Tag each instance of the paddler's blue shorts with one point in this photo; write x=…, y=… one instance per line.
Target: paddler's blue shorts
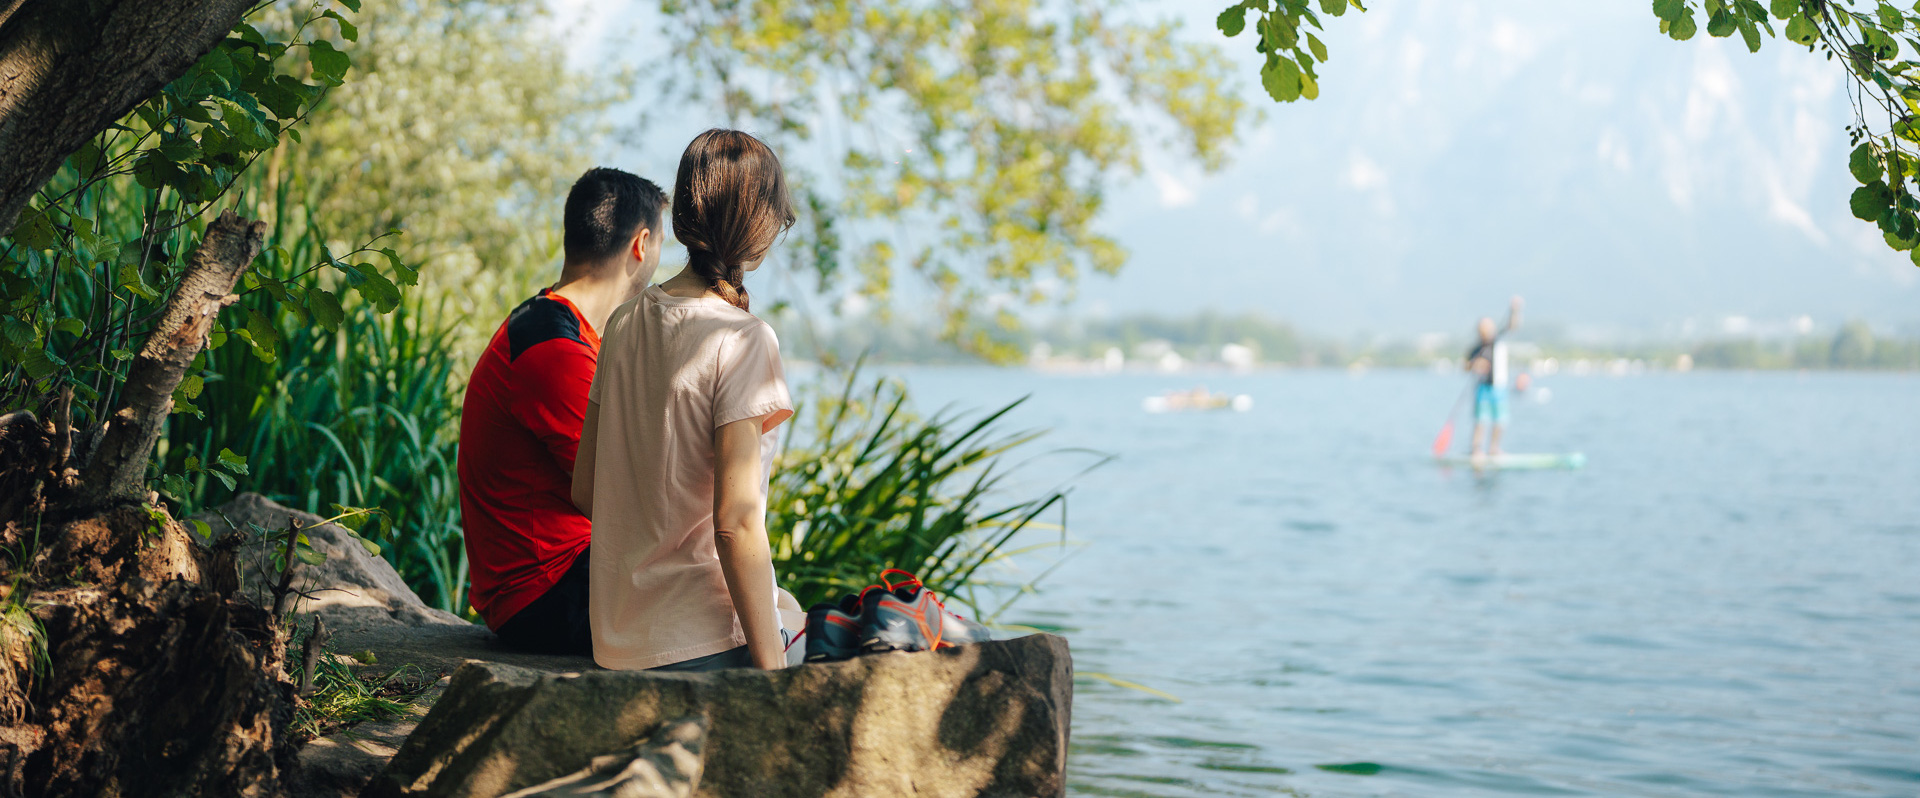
x=1490, y=405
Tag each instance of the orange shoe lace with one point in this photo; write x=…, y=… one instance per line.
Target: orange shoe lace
x=914, y=581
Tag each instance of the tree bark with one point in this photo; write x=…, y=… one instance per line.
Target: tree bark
x=70, y=68
x=118, y=470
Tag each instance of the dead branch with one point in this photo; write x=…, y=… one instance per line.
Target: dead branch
x=118, y=470
x=310, y=654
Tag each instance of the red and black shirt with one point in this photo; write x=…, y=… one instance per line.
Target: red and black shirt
x=518, y=434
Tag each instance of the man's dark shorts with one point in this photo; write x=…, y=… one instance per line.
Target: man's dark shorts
x=555, y=623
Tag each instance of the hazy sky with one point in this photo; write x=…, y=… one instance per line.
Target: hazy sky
x=1466, y=150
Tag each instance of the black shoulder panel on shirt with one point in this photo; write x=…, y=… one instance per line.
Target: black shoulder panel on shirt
x=539, y=320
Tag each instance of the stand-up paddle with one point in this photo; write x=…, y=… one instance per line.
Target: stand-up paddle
x=1445, y=439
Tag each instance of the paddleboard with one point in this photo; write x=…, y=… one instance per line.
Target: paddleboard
x=1515, y=461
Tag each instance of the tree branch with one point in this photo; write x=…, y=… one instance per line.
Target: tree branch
x=118, y=470
x=70, y=68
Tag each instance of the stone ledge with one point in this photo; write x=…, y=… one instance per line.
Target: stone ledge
x=987, y=719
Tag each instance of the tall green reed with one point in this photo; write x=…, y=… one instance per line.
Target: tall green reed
x=364, y=417
x=864, y=484
x=367, y=415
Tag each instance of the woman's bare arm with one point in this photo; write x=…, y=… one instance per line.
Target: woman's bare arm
x=583, y=461
x=740, y=537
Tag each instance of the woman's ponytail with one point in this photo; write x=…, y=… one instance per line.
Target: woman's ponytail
x=730, y=203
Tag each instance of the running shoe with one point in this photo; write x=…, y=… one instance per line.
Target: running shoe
x=908, y=617
x=833, y=630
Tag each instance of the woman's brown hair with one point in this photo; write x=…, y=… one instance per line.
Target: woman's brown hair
x=730, y=202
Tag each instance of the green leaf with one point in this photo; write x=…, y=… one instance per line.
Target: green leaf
x=1750, y=34
x=376, y=288
x=325, y=308
x=175, y=485
x=406, y=274
x=35, y=231
x=121, y=355
x=329, y=65
x=1865, y=165
x=224, y=478
x=347, y=30
x=38, y=362
x=274, y=288
x=308, y=555
x=1683, y=28
x=1669, y=10
x=190, y=387
x=260, y=333
x=231, y=462
x=128, y=277
x=1870, y=201
x=1802, y=31
x=352, y=518
x=1233, y=20
x=70, y=326
x=19, y=331
x=187, y=408
x=1334, y=7
x=1783, y=9
x=1319, y=49
x=1281, y=78
x=352, y=5
x=373, y=549
x=88, y=159
x=283, y=103
x=1720, y=25
x=245, y=124
x=178, y=150
x=200, y=527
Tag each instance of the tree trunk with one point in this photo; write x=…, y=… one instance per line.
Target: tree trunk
x=70, y=68
x=118, y=470
x=152, y=678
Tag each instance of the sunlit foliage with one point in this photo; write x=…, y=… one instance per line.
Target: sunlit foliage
x=968, y=142
x=462, y=128
x=1280, y=33
x=105, y=242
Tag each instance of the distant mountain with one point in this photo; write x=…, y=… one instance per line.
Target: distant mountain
x=1466, y=150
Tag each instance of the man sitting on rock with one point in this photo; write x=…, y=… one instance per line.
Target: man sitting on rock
x=526, y=543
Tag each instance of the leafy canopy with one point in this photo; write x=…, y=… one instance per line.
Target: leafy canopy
x=970, y=143
x=1280, y=33
x=462, y=128
x=93, y=259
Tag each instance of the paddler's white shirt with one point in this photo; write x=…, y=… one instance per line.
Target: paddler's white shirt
x=1500, y=362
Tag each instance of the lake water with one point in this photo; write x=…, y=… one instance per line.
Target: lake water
x=1725, y=601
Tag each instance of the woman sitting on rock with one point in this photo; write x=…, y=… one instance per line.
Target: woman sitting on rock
x=678, y=440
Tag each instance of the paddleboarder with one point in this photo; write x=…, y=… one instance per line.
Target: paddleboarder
x=1488, y=363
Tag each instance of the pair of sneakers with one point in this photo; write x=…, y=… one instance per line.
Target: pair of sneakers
x=903, y=616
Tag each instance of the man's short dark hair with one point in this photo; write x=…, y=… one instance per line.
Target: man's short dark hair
x=605, y=209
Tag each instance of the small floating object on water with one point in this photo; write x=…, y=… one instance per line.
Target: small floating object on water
x=1196, y=399
x=1513, y=461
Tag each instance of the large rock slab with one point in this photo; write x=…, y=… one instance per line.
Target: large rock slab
x=352, y=591
x=988, y=719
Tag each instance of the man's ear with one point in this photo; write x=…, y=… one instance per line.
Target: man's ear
x=638, y=246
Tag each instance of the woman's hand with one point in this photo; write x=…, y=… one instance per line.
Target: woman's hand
x=740, y=538
x=583, y=461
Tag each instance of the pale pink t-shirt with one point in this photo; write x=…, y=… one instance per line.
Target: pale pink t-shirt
x=672, y=370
